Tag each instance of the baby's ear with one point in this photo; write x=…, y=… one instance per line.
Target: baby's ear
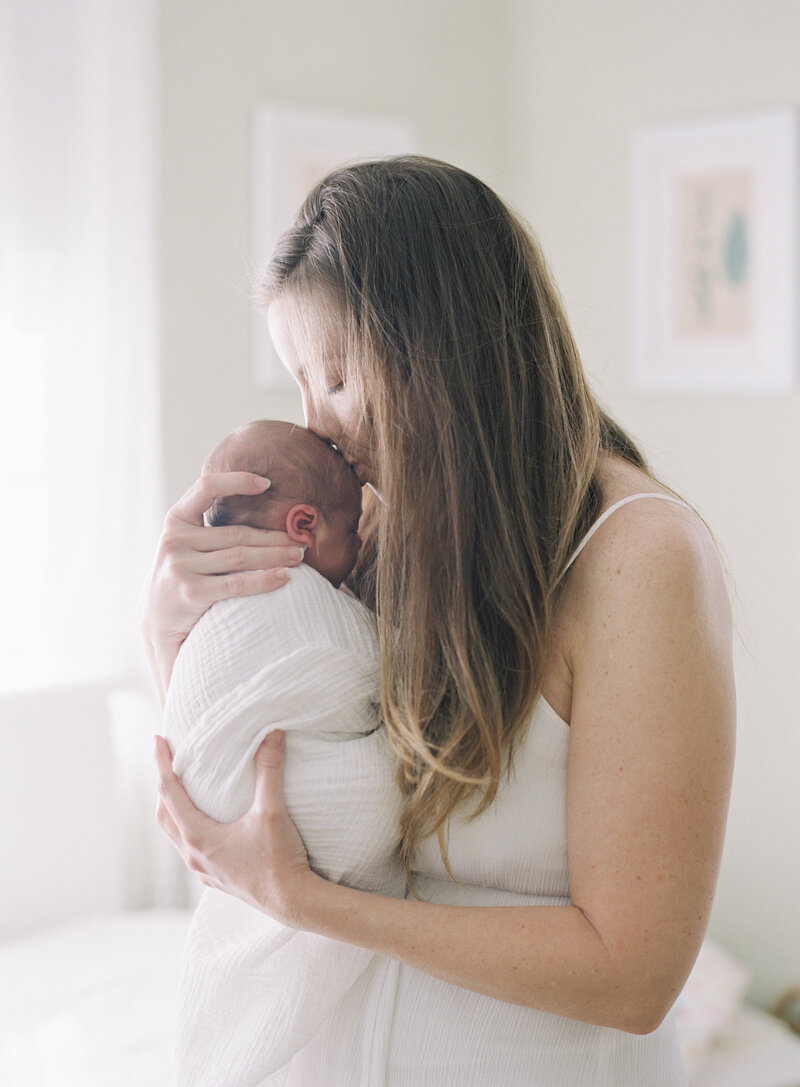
x=302, y=522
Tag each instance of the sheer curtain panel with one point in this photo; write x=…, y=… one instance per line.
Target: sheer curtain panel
x=79, y=455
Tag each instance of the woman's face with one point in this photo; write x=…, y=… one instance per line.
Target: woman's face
x=334, y=413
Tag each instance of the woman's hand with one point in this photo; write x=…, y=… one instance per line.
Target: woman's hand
x=195, y=566
x=260, y=858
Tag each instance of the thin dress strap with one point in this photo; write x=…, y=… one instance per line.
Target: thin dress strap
x=612, y=509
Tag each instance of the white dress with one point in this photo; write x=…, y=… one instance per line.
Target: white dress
x=399, y=1027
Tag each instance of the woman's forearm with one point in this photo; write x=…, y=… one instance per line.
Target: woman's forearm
x=564, y=967
x=161, y=660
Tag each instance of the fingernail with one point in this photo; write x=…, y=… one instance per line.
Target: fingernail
x=267, y=483
x=296, y=554
x=275, y=738
x=281, y=575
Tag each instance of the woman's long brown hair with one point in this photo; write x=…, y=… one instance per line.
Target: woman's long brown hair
x=486, y=442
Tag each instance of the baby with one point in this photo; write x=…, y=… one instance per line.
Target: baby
x=314, y=495
x=304, y=659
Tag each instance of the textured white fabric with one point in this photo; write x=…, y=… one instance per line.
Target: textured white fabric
x=304, y=659
x=398, y=1027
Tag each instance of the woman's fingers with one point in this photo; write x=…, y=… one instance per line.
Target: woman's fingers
x=250, y=584
x=186, y=819
x=168, y=825
x=227, y=537
x=233, y=560
x=192, y=505
x=199, y=592
x=190, y=859
x=269, y=774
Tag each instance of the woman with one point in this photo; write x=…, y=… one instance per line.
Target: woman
x=555, y=637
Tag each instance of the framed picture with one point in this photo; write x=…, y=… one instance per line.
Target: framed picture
x=716, y=255
x=292, y=149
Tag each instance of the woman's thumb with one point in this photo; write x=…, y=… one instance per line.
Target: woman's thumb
x=269, y=772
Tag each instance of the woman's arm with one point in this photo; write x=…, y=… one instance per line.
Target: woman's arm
x=648, y=779
x=195, y=566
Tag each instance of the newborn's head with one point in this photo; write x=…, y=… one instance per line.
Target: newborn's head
x=315, y=496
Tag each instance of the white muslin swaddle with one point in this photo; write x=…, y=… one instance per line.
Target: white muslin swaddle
x=303, y=659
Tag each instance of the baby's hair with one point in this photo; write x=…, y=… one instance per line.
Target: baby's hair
x=301, y=466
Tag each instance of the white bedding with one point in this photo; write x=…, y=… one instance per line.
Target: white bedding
x=92, y=1002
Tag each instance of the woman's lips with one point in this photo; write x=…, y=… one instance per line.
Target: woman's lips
x=359, y=470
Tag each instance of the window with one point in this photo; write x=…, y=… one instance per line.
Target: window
x=78, y=388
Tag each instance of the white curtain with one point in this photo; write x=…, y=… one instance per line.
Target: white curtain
x=79, y=454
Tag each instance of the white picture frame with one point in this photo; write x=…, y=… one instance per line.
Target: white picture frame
x=716, y=255
x=293, y=147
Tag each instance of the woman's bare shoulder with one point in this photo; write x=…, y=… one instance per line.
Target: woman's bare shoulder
x=649, y=527
x=646, y=555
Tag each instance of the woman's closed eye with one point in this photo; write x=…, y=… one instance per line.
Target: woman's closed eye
x=337, y=388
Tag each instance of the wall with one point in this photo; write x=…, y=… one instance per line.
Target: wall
x=434, y=64
x=58, y=803
x=583, y=78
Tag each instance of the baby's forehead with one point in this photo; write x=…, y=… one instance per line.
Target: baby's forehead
x=313, y=456
x=280, y=441
x=312, y=451
x=294, y=458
